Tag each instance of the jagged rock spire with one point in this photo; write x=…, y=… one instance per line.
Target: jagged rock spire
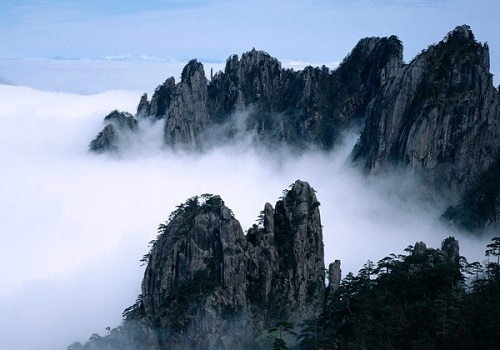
x=206, y=282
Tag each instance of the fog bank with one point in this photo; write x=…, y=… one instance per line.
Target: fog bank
x=75, y=225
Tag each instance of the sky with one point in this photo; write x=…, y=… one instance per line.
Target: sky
x=314, y=31
x=75, y=225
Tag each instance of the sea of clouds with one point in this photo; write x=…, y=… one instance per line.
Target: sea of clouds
x=74, y=224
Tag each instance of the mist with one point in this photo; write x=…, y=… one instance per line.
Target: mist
x=75, y=224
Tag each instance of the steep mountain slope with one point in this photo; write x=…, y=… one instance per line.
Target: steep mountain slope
x=440, y=116
x=294, y=108
x=207, y=285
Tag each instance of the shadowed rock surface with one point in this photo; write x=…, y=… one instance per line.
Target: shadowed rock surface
x=117, y=123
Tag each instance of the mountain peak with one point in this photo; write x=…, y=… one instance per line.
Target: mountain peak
x=464, y=31
x=192, y=68
x=438, y=115
x=207, y=285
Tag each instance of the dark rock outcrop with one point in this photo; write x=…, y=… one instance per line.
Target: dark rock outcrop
x=439, y=115
x=285, y=258
x=187, y=114
x=105, y=141
x=195, y=280
x=308, y=107
x=334, y=276
x=207, y=285
x=441, y=108
x=449, y=252
x=143, y=108
x=160, y=102
x=117, y=123
x=294, y=108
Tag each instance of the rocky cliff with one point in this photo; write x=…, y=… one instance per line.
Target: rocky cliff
x=207, y=285
x=440, y=116
x=296, y=108
x=118, y=124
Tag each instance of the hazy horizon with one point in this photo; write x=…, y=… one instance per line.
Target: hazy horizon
x=318, y=31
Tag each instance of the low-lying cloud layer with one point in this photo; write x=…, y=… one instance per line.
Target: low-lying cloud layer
x=74, y=225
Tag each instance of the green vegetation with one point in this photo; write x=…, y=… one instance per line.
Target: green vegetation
x=187, y=293
x=480, y=206
x=423, y=300
x=281, y=336
x=134, y=312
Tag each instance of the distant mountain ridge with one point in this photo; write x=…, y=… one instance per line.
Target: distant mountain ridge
x=296, y=108
x=437, y=115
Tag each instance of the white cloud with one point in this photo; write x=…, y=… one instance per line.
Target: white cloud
x=75, y=225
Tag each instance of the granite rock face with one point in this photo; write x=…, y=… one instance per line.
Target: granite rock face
x=207, y=285
x=334, y=276
x=308, y=107
x=293, y=108
x=441, y=108
x=187, y=114
x=117, y=123
x=439, y=115
x=286, y=259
